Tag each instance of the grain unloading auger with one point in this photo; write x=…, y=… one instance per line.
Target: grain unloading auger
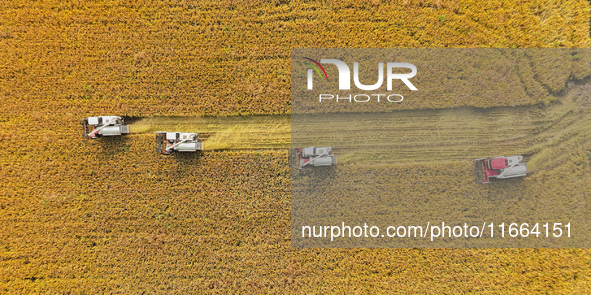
x=95, y=127
x=168, y=142
x=499, y=167
x=311, y=156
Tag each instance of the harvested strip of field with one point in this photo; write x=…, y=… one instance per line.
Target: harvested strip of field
x=549, y=135
x=254, y=132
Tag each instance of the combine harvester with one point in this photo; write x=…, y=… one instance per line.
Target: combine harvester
x=95, y=127
x=168, y=142
x=312, y=156
x=499, y=167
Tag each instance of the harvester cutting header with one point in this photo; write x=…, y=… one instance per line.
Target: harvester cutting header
x=95, y=127
x=499, y=167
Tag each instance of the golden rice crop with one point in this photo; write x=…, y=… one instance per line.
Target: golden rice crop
x=228, y=58
x=111, y=215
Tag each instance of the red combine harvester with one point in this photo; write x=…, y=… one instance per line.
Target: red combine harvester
x=499, y=167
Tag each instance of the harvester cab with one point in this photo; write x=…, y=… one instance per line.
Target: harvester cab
x=499, y=167
x=312, y=156
x=95, y=127
x=168, y=142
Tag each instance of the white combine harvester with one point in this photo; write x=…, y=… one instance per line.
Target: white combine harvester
x=168, y=142
x=499, y=167
x=312, y=156
x=95, y=127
